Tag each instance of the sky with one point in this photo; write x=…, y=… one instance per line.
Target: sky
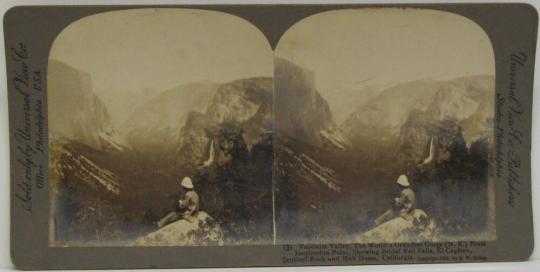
x=351, y=48
x=127, y=51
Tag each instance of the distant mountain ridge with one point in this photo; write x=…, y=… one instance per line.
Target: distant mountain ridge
x=344, y=101
x=467, y=101
x=122, y=103
x=157, y=122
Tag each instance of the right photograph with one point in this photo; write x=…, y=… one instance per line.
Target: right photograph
x=384, y=127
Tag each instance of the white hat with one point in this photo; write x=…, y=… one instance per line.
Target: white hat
x=186, y=183
x=403, y=181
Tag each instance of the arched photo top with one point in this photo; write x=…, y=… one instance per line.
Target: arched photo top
x=388, y=44
x=163, y=47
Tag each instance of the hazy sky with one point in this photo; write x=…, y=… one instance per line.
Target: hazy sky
x=162, y=48
x=350, y=48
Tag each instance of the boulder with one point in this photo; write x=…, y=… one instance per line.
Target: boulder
x=400, y=230
x=204, y=231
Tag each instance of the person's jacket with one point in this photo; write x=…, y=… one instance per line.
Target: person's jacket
x=408, y=202
x=190, y=205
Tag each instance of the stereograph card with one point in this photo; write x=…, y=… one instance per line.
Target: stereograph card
x=269, y=135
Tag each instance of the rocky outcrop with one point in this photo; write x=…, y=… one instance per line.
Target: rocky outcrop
x=418, y=134
x=244, y=105
x=306, y=184
x=304, y=169
x=203, y=232
x=75, y=112
x=193, y=143
x=400, y=230
x=301, y=112
x=467, y=101
x=179, y=124
x=397, y=230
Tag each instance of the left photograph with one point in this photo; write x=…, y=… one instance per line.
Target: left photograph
x=160, y=130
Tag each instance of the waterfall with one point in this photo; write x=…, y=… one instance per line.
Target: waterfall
x=431, y=155
x=211, y=155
